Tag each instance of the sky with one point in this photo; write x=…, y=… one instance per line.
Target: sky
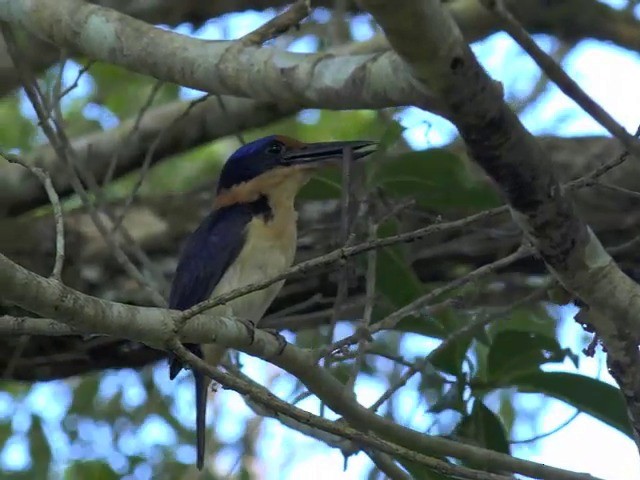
x=607, y=73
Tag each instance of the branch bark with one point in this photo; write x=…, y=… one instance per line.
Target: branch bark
x=156, y=327
x=267, y=74
x=498, y=142
x=205, y=122
x=596, y=20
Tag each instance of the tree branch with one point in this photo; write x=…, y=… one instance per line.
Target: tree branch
x=499, y=143
x=205, y=122
x=156, y=327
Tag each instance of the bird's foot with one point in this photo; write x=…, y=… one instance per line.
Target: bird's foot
x=282, y=342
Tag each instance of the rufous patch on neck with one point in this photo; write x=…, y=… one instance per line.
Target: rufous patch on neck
x=265, y=184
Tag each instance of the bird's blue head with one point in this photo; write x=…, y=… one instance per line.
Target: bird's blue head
x=268, y=162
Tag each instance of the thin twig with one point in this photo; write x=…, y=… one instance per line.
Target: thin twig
x=45, y=178
x=617, y=189
x=261, y=395
x=76, y=81
x=345, y=240
x=550, y=432
x=20, y=345
x=278, y=25
x=460, y=334
x=420, y=305
x=555, y=72
x=387, y=466
x=414, y=307
x=563, y=49
x=370, y=294
x=56, y=92
x=113, y=163
x=335, y=256
x=146, y=163
x=237, y=127
x=591, y=178
x=61, y=145
x=312, y=301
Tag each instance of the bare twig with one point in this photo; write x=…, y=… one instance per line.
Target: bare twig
x=60, y=143
x=387, y=466
x=550, y=432
x=461, y=334
x=336, y=256
x=370, y=294
x=146, y=163
x=238, y=129
x=562, y=50
x=391, y=320
x=155, y=89
x=278, y=25
x=420, y=305
x=259, y=394
x=591, y=178
x=20, y=345
x=565, y=83
x=76, y=81
x=345, y=240
x=621, y=190
x=44, y=177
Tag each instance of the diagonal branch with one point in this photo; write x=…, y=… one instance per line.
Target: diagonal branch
x=260, y=394
x=554, y=71
x=155, y=326
x=164, y=126
x=499, y=143
x=268, y=74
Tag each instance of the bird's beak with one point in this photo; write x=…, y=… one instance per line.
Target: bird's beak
x=313, y=154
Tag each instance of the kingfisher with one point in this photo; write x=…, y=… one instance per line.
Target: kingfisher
x=249, y=236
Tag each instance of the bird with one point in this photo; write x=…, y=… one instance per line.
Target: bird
x=250, y=235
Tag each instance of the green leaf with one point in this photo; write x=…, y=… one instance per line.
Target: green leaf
x=449, y=359
x=127, y=102
x=435, y=178
x=90, y=469
x=526, y=319
x=484, y=428
x=423, y=324
x=17, y=131
x=591, y=396
x=514, y=352
x=84, y=395
x=391, y=135
x=40, y=450
x=395, y=279
x=451, y=400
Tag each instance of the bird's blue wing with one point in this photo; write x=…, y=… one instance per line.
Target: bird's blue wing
x=207, y=254
x=205, y=257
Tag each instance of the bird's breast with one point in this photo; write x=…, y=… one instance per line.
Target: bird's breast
x=269, y=250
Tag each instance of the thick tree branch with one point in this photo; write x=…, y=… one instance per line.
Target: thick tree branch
x=156, y=327
x=499, y=143
x=268, y=74
x=596, y=20
x=260, y=394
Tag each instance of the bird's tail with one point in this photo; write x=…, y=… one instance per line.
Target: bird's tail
x=211, y=354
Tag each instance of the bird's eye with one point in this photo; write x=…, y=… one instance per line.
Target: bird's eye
x=275, y=148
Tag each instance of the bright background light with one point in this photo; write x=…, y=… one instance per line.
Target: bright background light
x=609, y=74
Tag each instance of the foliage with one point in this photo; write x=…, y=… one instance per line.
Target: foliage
x=137, y=424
